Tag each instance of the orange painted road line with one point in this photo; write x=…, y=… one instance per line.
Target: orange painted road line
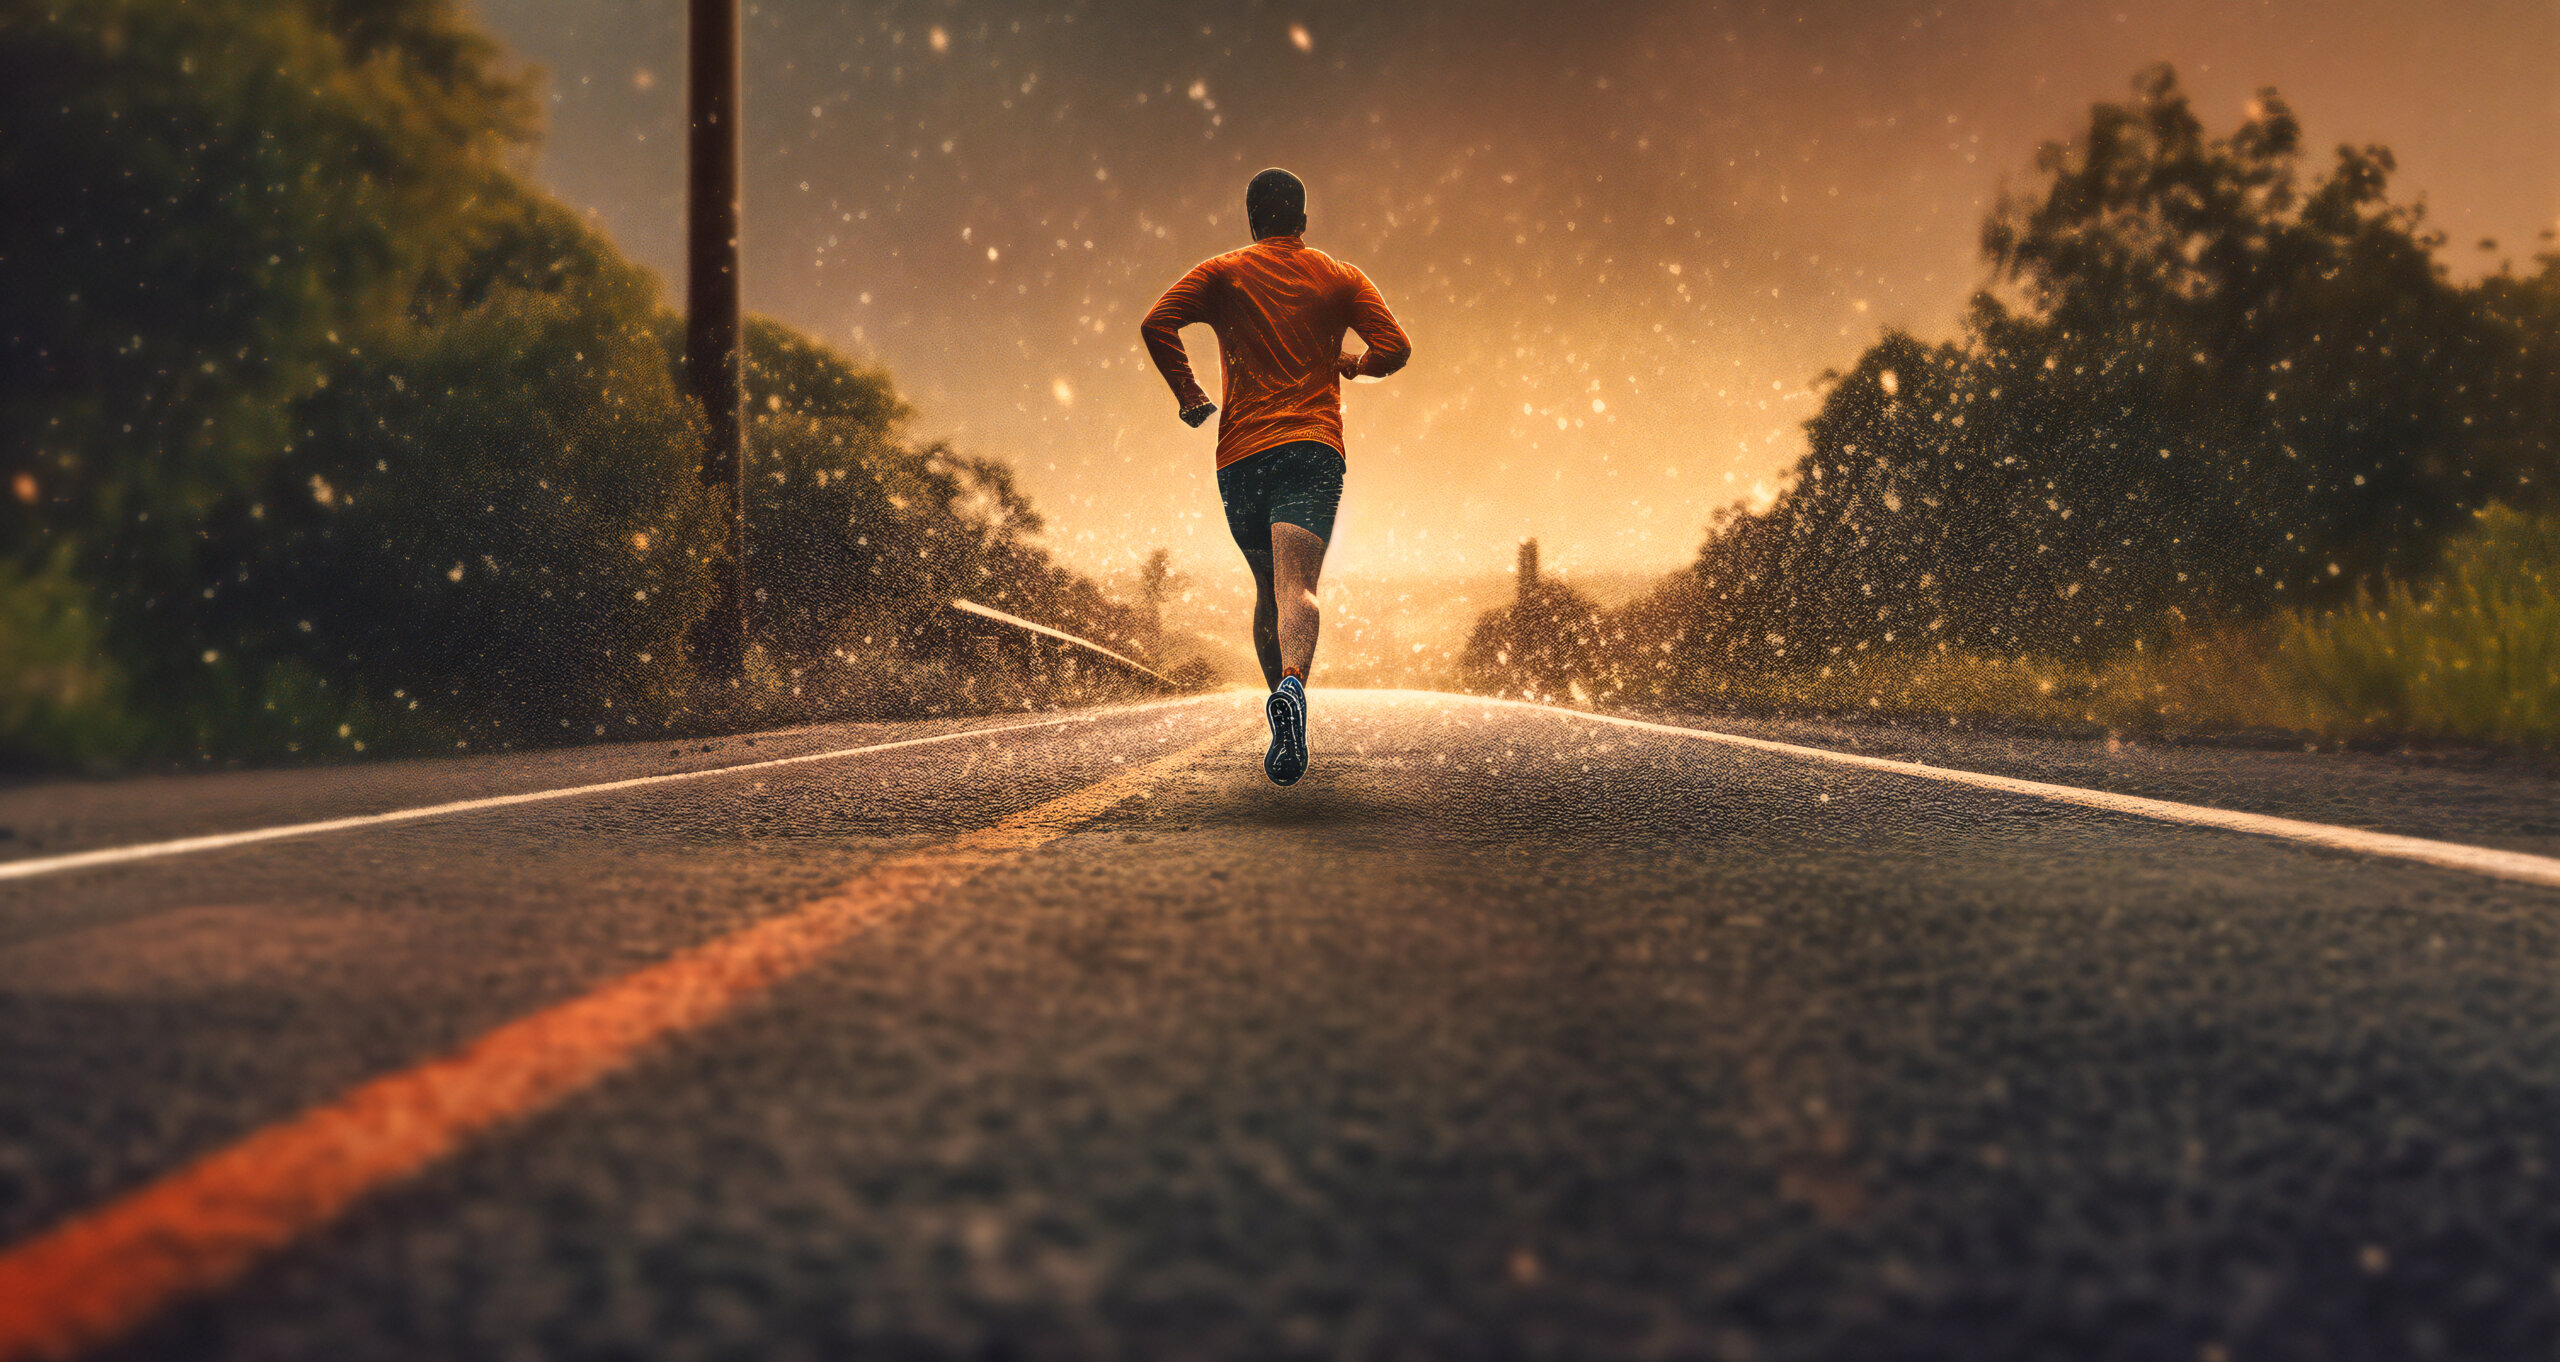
x=100, y=1275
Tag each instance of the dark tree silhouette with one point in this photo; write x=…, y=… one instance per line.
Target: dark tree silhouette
x=2196, y=388
x=325, y=426
x=1547, y=642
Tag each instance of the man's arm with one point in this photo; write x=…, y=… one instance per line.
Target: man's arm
x=1376, y=327
x=1184, y=303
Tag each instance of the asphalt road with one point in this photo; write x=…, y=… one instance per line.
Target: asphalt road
x=1506, y=1034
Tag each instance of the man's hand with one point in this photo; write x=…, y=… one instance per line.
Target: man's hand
x=1347, y=364
x=1193, y=416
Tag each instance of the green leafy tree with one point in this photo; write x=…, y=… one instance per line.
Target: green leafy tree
x=857, y=530
x=210, y=202
x=495, y=508
x=2199, y=388
x=325, y=429
x=2296, y=349
x=2519, y=384
x=214, y=205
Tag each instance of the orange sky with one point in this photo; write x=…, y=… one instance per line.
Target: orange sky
x=1626, y=238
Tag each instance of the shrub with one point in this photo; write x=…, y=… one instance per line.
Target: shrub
x=62, y=700
x=2472, y=652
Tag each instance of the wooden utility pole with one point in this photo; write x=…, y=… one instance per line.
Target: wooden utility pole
x=714, y=369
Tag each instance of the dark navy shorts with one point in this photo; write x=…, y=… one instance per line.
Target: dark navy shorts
x=1298, y=484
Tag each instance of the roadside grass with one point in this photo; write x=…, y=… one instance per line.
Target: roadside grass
x=62, y=702
x=67, y=707
x=2471, y=654
x=2200, y=684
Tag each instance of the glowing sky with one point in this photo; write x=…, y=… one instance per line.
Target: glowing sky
x=1625, y=238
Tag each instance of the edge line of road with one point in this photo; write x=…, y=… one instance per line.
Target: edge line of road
x=2519, y=866
x=142, y=851
x=104, y=1272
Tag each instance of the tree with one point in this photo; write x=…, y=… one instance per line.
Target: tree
x=213, y=206
x=494, y=508
x=327, y=429
x=2301, y=343
x=1157, y=581
x=2197, y=388
x=1547, y=642
x=211, y=202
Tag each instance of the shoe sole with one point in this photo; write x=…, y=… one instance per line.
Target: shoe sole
x=1288, y=741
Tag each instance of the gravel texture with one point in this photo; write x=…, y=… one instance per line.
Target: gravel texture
x=1502, y=1035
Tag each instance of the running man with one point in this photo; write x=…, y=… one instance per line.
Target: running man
x=1280, y=308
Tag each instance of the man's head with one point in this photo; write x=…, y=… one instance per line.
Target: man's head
x=1275, y=204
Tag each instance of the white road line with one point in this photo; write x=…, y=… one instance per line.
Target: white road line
x=2522, y=867
x=82, y=860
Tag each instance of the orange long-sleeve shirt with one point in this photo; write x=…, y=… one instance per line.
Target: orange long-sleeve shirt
x=1279, y=307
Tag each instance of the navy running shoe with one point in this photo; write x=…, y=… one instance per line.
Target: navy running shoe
x=1287, y=711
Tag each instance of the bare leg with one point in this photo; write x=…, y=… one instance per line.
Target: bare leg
x=1297, y=559
x=1266, y=620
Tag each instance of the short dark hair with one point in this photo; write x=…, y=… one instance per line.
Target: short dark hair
x=1276, y=203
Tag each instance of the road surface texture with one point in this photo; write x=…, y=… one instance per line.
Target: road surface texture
x=1509, y=1033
